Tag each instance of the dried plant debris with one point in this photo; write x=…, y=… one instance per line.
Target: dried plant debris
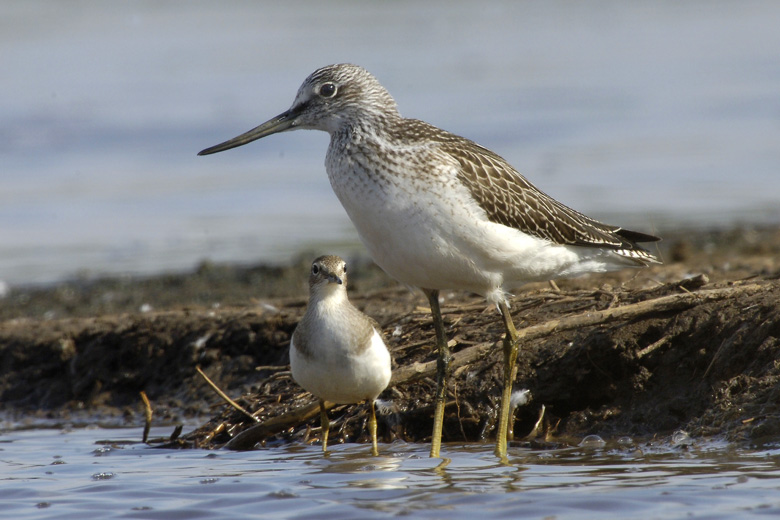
x=690, y=345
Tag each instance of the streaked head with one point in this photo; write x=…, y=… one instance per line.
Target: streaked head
x=329, y=99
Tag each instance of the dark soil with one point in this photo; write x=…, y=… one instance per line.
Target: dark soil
x=708, y=364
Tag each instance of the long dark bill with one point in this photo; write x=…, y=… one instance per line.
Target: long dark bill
x=280, y=123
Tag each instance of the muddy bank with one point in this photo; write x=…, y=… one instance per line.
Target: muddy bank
x=691, y=345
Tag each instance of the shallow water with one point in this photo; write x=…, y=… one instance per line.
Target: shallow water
x=48, y=473
x=644, y=114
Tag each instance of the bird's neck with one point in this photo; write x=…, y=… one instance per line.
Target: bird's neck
x=366, y=124
x=327, y=299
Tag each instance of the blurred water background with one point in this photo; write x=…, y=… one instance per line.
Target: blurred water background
x=647, y=114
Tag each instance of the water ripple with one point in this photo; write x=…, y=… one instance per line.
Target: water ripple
x=617, y=481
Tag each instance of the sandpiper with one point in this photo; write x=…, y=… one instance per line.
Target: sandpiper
x=438, y=211
x=337, y=353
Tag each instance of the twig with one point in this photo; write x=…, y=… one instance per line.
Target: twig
x=726, y=344
x=248, y=438
x=272, y=368
x=224, y=396
x=147, y=416
x=653, y=346
x=213, y=433
x=176, y=432
x=535, y=430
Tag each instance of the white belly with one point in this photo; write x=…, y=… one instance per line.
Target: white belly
x=426, y=240
x=333, y=374
x=427, y=231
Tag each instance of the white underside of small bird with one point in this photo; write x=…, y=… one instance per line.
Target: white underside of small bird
x=331, y=369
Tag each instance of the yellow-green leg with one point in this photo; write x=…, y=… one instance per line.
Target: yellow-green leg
x=511, y=347
x=325, y=425
x=442, y=369
x=372, y=429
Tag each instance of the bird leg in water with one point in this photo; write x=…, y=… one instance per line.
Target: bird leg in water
x=325, y=425
x=442, y=369
x=511, y=348
x=372, y=429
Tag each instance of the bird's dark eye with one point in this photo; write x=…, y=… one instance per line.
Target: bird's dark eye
x=315, y=269
x=345, y=268
x=328, y=90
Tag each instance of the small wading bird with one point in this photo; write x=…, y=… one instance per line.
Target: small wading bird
x=438, y=211
x=337, y=352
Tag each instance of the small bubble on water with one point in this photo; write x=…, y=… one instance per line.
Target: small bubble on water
x=103, y=475
x=592, y=441
x=103, y=450
x=43, y=505
x=625, y=441
x=209, y=481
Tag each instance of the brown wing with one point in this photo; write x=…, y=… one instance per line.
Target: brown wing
x=510, y=199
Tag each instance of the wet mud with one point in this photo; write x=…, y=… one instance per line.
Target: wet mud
x=691, y=345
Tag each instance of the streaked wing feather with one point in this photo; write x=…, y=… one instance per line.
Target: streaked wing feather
x=510, y=199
